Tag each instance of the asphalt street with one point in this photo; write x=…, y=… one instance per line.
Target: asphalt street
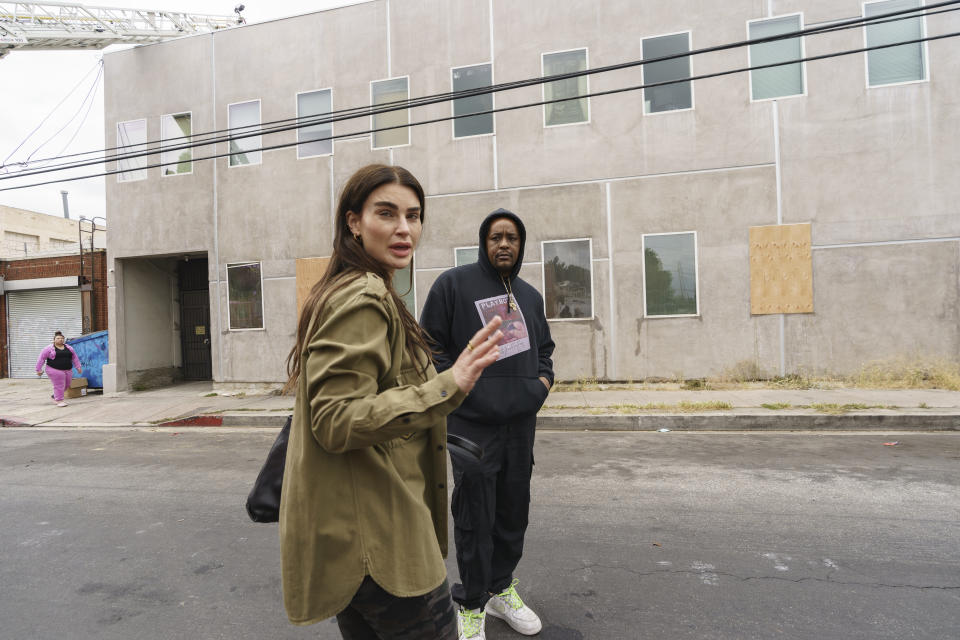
x=118, y=533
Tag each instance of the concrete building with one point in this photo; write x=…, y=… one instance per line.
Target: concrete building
x=663, y=223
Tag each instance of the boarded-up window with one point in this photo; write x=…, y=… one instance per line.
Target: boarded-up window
x=781, y=269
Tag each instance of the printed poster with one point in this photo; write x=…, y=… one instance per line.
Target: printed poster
x=515, y=338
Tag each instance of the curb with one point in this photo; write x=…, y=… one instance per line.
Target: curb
x=753, y=422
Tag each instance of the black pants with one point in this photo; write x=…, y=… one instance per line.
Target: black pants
x=374, y=614
x=491, y=506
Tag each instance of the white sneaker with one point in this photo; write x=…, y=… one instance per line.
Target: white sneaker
x=509, y=607
x=61, y=404
x=470, y=624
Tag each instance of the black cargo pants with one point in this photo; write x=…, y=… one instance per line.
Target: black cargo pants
x=491, y=506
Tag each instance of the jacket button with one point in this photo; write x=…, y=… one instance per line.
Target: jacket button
x=439, y=447
x=440, y=486
x=406, y=421
x=443, y=393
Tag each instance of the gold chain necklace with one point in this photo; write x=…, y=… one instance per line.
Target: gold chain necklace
x=511, y=299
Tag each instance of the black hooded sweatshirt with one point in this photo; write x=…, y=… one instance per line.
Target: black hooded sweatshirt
x=510, y=389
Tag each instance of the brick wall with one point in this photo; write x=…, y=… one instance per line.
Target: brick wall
x=94, y=264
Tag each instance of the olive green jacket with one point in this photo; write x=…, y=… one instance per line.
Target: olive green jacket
x=364, y=490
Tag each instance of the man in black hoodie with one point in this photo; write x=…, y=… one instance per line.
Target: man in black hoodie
x=491, y=497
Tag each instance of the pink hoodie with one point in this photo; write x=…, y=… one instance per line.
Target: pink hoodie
x=50, y=351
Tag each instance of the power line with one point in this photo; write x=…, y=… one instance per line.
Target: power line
x=705, y=76
x=52, y=111
x=406, y=104
x=90, y=94
x=85, y=115
x=248, y=131
x=150, y=148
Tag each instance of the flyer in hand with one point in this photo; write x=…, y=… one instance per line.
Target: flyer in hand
x=515, y=339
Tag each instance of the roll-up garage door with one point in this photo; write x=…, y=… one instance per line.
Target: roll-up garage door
x=32, y=317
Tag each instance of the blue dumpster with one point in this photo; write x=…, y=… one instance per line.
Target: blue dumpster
x=92, y=351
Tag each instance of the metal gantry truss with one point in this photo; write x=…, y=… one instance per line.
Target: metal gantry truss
x=63, y=25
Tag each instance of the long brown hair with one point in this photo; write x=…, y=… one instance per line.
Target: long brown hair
x=349, y=261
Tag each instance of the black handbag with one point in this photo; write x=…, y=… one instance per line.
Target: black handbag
x=263, y=502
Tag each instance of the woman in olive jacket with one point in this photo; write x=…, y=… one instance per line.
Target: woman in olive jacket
x=363, y=513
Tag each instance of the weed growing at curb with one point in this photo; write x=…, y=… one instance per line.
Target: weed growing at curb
x=837, y=409
x=680, y=407
x=776, y=405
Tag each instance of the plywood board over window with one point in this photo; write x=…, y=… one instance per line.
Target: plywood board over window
x=309, y=272
x=781, y=269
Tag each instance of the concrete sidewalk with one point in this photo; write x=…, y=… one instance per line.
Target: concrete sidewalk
x=26, y=403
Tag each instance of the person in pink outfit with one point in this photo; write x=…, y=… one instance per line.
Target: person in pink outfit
x=60, y=360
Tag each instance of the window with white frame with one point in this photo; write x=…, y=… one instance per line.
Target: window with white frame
x=670, y=274
x=406, y=288
x=465, y=255
x=894, y=65
x=314, y=139
x=244, y=118
x=576, y=109
x=132, y=138
x=464, y=79
x=668, y=97
x=175, y=131
x=568, y=279
x=245, y=295
x=383, y=92
x=784, y=80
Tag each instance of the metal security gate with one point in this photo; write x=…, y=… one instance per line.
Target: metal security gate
x=32, y=317
x=195, y=319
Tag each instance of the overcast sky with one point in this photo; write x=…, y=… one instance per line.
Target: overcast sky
x=34, y=82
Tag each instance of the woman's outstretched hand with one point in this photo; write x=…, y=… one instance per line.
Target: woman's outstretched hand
x=481, y=352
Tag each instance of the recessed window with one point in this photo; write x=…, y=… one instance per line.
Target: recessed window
x=245, y=295
x=244, y=118
x=464, y=79
x=570, y=111
x=894, y=65
x=14, y=243
x=175, y=131
x=406, y=288
x=568, y=279
x=670, y=274
x=132, y=138
x=784, y=80
x=668, y=97
x=314, y=139
x=465, y=255
x=383, y=92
